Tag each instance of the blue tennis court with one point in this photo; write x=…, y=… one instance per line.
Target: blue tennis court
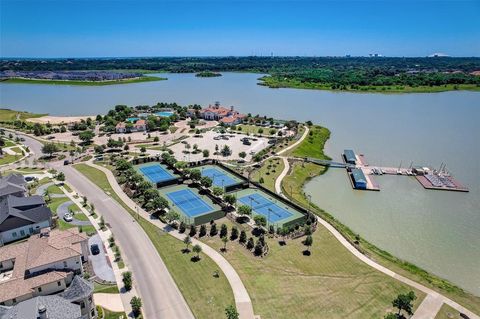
x=156, y=173
x=264, y=206
x=190, y=203
x=219, y=177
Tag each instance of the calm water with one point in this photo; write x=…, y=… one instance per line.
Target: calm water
x=439, y=231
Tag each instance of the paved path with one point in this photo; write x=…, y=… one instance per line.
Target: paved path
x=305, y=134
x=63, y=209
x=160, y=295
x=242, y=298
x=112, y=302
x=100, y=263
x=430, y=305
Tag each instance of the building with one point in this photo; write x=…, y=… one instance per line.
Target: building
x=227, y=116
x=121, y=127
x=231, y=120
x=139, y=126
x=359, y=179
x=45, y=264
x=350, y=157
x=21, y=217
x=13, y=184
x=42, y=307
x=80, y=292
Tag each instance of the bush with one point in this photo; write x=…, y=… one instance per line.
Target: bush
x=258, y=248
x=213, y=230
x=223, y=231
x=243, y=237
x=127, y=280
x=193, y=231
x=234, y=234
x=136, y=304
x=182, y=228
x=250, y=243
x=203, y=230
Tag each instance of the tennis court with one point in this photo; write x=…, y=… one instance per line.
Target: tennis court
x=277, y=212
x=189, y=203
x=156, y=172
x=219, y=176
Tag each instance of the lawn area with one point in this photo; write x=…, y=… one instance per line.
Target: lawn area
x=105, y=288
x=7, y=115
x=331, y=283
x=54, y=189
x=447, y=312
x=17, y=150
x=73, y=208
x=253, y=129
x=313, y=144
x=9, y=143
x=89, y=230
x=67, y=188
x=7, y=158
x=216, y=293
x=29, y=170
x=55, y=202
x=107, y=314
x=269, y=172
x=81, y=217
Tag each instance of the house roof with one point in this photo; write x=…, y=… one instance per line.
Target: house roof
x=20, y=211
x=56, y=308
x=140, y=122
x=228, y=119
x=79, y=289
x=11, y=184
x=120, y=125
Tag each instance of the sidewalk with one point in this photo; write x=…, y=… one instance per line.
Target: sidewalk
x=242, y=298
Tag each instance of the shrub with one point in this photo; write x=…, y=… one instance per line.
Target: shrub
x=250, y=243
x=223, y=231
x=213, y=230
x=243, y=237
x=193, y=231
x=136, y=304
x=203, y=230
x=127, y=280
x=182, y=228
x=234, y=234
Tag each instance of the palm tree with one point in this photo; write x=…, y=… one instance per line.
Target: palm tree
x=187, y=241
x=197, y=249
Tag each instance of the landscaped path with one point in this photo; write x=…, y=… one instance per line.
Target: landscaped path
x=432, y=302
x=242, y=298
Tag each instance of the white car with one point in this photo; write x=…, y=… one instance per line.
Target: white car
x=68, y=217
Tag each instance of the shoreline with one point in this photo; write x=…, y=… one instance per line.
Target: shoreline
x=84, y=83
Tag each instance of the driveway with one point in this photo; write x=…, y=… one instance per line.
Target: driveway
x=63, y=209
x=100, y=263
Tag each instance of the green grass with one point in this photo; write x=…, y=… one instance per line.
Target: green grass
x=313, y=144
x=270, y=170
x=17, y=150
x=81, y=217
x=9, y=143
x=29, y=170
x=331, y=283
x=275, y=82
x=67, y=188
x=253, y=129
x=7, y=115
x=89, y=229
x=73, y=208
x=447, y=312
x=107, y=314
x=55, y=202
x=207, y=296
x=54, y=189
x=86, y=83
x=105, y=288
x=7, y=158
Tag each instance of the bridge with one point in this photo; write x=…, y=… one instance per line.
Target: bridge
x=327, y=162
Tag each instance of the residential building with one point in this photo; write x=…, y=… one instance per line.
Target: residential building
x=227, y=116
x=13, y=184
x=121, y=127
x=21, y=217
x=139, y=126
x=233, y=119
x=45, y=264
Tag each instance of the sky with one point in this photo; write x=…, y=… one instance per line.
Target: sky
x=87, y=28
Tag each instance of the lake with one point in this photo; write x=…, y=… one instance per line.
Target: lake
x=436, y=230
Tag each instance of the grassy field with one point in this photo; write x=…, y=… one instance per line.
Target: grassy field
x=9, y=143
x=7, y=158
x=107, y=314
x=216, y=293
x=274, y=82
x=7, y=115
x=447, y=312
x=104, y=288
x=253, y=129
x=55, y=202
x=292, y=186
x=54, y=189
x=87, y=83
x=331, y=283
x=313, y=144
x=67, y=188
x=269, y=171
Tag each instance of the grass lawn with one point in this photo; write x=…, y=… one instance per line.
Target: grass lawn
x=313, y=144
x=44, y=180
x=105, y=288
x=11, y=115
x=447, y=312
x=9, y=143
x=89, y=230
x=30, y=170
x=253, y=129
x=67, y=188
x=17, y=150
x=269, y=171
x=216, y=293
x=7, y=158
x=54, y=189
x=81, y=217
x=55, y=202
x=107, y=314
x=331, y=283
x=73, y=208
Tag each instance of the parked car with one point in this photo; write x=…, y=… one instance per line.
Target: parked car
x=68, y=217
x=95, y=249
x=66, y=162
x=29, y=178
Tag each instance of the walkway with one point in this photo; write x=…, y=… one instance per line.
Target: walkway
x=242, y=298
x=296, y=143
x=429, y=306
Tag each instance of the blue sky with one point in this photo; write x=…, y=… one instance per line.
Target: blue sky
x=200, y=28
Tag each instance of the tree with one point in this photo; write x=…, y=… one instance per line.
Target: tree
x=404, y=302
x=213, y=230
x=86, y=136
x=193, y=230
x=127, y=280
x=203, y=230
x=234, y=233
x=244, y=210
x=195, y=174
x=143, y=149
x=172, y=216
x=225, y=241
x=197, y=249
x=242, y=155
x=230, y=199
x=61, y=177
x=182, y=228
x=187, y=241
x=50, y=149
x=260, y=131
x=206, y=181
x=156, y=139
x=260, y=220
x=160, y=203
x=308, y=242
x=243, y=237
x=217, y=191
x=206, y=153
x=226, y=151
x=231, y=312
x=223, y=231
x=258, y=248
x=250, y=243
x=136, y=304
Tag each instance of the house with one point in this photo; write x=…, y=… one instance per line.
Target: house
x=21, y=217
x=13, y=184
x=121, y=127
x=233, y=119
x=227, y=116
x=139, y=126
x=45, y=264
x=76, y=302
